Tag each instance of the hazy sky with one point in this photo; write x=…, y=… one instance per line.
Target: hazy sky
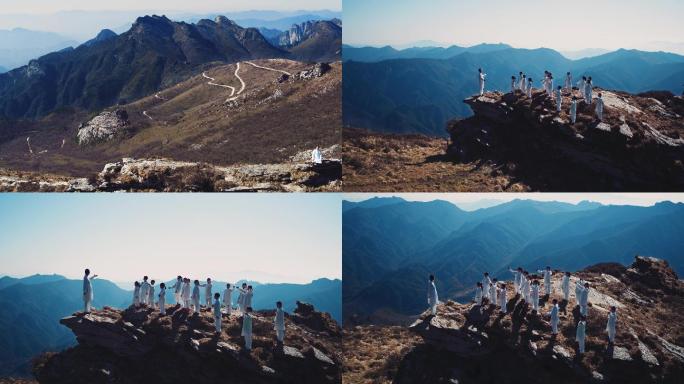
x=264, y=237
x=561, y=25
x=49, y=6
x=472, y=201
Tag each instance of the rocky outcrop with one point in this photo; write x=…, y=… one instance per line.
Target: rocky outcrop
x=138, y=344
x=317, y=70
x=166, y=175
x=639, y=145
x=103, y=127
x=463, y=342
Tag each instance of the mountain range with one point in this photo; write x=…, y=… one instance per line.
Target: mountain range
x=154, y=53
x=33, y=306
x=417, y=90
x=389, y=249
x=19, y=45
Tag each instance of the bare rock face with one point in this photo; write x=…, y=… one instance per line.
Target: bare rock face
x=305, y=314
x=639, y=145
x=469, y=343
x=103, y=127
x=138, y=345
x=317, y=70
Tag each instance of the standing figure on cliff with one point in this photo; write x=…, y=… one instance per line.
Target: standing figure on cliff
x=568, y=82
x=217, y=312
x=502, y=298
x=517, y=274
x=432, y=297
x=550, y=85
x=573, y=110
x=207, y=292
x=589, y=89
x=529, y=87
x=525, y=286
x=599, y=107
x=177, y=289
x=513, y=84
x=150, y=294
x=162, y=299
x=279, y=322
x=535, y=296
x=582, y=86
x=519, y=85
x=144, y=290
x=228, y=298
x=247, y=328
x=481, y=78
x=241, y=297
x=493, y=291
x=478, y=293
x=196, y=297
x=547, y=277
x=559, y=99
x=523, y=83
x=88, y=291
x=136, y=294
x=554, y=318
x=581, y=333
x=485, y=281
x=584, y=299
x=248, y=296
x=316, y=156
x=185, y=293
x=612, y=321
x=565, y=286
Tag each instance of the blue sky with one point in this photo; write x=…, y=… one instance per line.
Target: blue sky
x=264, y=237
x=562, y=25
x=473, y=201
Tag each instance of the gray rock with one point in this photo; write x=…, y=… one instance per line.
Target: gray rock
x=103, y=127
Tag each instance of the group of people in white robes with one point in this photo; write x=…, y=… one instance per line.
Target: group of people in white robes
x=490, y=291
x=144, y=294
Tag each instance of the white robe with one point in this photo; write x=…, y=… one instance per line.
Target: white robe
x=478, y=296
x=589, y=90
x=522, y=83
x=144, y=292
x=196, y=298
x=547, y=279
x=516, y=279
x=481, y=77
x=185, y=295
x=529, y=89
x=136, y=295
x=432, y=297
x=87, y=294
x=599, y=108
x=502, y=299
x=162, y=301
x=554, y=319
x=176, y=290
x=559, y=100
x=241, y=299
x=279, y=324
x=248, y=298
x=568, y=81
x=207, y=294
x=565, y=286
x=217, y=315
x=150, y=295
x=513, y=87
x=492, y=294
x=316, y=156
x=610, y=326
x=584, y=299
x=485, y=282
x=580, y=335
x=573, y=111
x=535, y=297
x=228, y=299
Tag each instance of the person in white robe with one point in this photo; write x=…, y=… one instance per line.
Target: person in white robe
x=247, y=328
x=177, y=289
x=612, y=322
x=241, y=297
x=136, y=294
x=279, y=322
x=248, y=296
x=486, y=281
x=196, y=297
x=584, y=299
x=580, y=334
x=316, y=156
x=88, y=291
x=144, y=291
x=565, y=286
x=150, y=294
x=432, y=297
x=547, y=279
x=481, y=78
x=185, y=293
x=513, y=84
x=568, y=82
x=535, y=296
x=478, y=294
x=492, y=293
x=555, y=318
x=228, y=298
x=559, y=99
x=573, y=110
x=529, y=87
x=599, y=107
x=217, y=312
x=207, y=293
x=502, y=298
x=162, y=299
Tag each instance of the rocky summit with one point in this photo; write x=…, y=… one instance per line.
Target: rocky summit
x=466, y=343
x=639, y=145
x=138, y=344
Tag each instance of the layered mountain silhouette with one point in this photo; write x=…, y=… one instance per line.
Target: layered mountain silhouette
x=32, y=307
x=418, y=90
x=389, y=250
x=19, y=45
x=155, y=53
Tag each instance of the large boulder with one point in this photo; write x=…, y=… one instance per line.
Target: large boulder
x=103, y=127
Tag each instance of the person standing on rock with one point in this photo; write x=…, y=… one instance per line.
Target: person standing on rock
x=150, y=294
x=207, y=293
x=610, y=326
x=486, y=281
x=582, y=86
x=529, y=87
x=517, y=274
x=580, y=334
x=279, y=322
x=525, y=286
x=584, y=299
x=513, y=84
x=588, y=90
x=144, y=290
x=432, y=297
x=573, y=110
x=568, y=82
x=547, y=276
x=478, y=293
x=316, y=156
x=535, y=296
x=550, y=85
x=196, y=297
x=248, y=296
x=185, y=293
x=554, y=318
x=502, y=298
x=599, y=107
x=162, y=299
x=87, y=291
x=559, y=99
x=177, y=289
x=241, y=297
x=228, y=298
x=247, y=328
x=481, y=78
x=565, y=286
x=523, y=83
x=492, y=292
x=217, y=313
x=136, y=294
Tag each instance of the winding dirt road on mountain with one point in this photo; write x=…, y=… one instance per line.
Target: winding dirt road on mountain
x=268, y=69
x=211, y=82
